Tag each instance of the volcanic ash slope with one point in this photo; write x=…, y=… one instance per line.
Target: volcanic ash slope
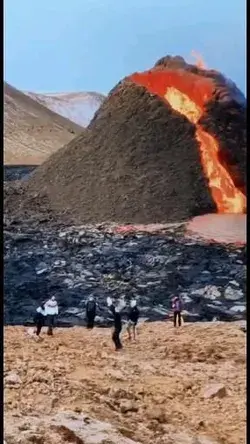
x=31, y=131
x=165, y=145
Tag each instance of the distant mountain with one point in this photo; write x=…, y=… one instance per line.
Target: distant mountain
x=32, y=131
x=79, y=107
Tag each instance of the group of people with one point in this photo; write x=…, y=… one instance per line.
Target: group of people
x=48, y=311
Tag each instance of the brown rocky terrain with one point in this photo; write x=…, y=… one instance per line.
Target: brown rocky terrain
x=31, y=131
x=184, y=386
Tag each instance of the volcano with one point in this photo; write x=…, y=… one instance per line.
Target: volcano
x=167, y=144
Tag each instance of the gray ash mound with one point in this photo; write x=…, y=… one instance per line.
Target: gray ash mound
x=142, y=159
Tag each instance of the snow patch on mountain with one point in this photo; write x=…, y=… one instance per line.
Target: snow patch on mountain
x=78, y=107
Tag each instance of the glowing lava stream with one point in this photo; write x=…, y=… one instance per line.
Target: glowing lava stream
x=226, y=196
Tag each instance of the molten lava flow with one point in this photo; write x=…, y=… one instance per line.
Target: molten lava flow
x=187, y=93
x=228, y=199
x=180, y=102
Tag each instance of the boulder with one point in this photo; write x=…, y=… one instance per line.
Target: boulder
x=128, y=406
x=214, y=390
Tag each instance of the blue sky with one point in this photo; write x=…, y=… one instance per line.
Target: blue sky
x=89, y=45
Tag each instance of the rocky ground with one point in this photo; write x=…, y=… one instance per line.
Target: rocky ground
x=185, y=386
x=76, y=262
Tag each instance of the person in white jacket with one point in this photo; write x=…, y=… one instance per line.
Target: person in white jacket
x=51, y=311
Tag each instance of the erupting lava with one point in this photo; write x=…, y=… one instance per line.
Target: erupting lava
x=187, y=93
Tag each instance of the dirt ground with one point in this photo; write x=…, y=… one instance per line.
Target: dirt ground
x=152, y=387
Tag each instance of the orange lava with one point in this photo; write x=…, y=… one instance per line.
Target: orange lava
x=187, y=93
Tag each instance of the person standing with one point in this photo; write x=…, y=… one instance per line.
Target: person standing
x=39, y=318
x=90, y=312
x=133, y=316
x=115, y=310
x=177, y=309
x=51, y=310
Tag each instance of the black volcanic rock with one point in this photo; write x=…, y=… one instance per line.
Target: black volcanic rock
x=76, y=262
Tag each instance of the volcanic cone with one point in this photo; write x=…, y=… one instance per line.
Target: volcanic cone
x=167, y=144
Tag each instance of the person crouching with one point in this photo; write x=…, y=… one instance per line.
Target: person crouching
x=133, y=316
x=51, y=310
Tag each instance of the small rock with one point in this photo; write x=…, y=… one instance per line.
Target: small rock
x=116, y=374
x=201, y=424
x=87, y=273
x=241, y=324
x=41, y=268
x=209, y=292
x=128, y=406
x=232, y=294
x=62, y=234
x=238, y=309
x=157, y=414
x=54, y=401
x=24, y=426
x=117, y=393
x=235, y=283
x=12, y=379
x=68, y=282
x=215, y=390
x=186, y=299
x=60, y=263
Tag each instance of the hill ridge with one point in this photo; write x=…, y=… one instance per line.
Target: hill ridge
x=31, y=131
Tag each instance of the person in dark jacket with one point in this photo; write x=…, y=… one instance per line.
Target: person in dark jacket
x=39, y=318
x=90, y=312
x=177, y=309
x=133, y=316
x=115, y=310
